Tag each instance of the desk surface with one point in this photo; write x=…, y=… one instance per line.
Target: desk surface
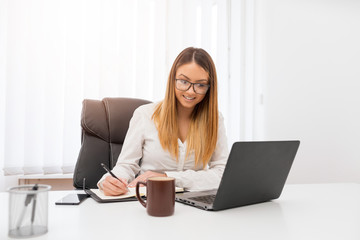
x=314, y=211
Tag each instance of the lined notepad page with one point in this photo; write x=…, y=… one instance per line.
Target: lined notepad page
x=131, y=193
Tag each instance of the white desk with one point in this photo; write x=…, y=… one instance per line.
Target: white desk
x=322, y=211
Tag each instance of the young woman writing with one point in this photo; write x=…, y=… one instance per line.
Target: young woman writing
x=183, y=136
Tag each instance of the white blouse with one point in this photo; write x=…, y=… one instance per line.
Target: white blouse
x=142, y=143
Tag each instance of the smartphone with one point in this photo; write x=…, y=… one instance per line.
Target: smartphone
x=72, y=199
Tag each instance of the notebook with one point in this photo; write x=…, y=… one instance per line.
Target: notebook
x=100, y=197
x=255, y=172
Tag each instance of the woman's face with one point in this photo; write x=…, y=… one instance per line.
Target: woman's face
x=193, y=73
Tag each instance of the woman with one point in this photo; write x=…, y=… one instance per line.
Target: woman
x=183, y=136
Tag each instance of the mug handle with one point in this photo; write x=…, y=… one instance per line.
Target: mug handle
x=138, y=193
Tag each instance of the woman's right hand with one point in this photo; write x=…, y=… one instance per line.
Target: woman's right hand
x=113, y=187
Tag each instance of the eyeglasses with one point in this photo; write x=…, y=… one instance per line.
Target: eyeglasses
x=184, y=85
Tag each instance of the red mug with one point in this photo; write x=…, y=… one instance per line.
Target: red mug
x=160, y=196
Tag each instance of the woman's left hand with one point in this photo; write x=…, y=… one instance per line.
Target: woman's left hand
x=143, y=177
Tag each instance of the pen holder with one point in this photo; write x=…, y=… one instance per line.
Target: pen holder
x=28, y=210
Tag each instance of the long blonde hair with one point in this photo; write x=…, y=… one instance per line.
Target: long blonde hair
x=202, y=134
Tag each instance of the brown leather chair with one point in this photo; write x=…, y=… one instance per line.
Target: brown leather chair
x=104, y=125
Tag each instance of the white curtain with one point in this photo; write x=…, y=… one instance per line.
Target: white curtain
x=55, y=53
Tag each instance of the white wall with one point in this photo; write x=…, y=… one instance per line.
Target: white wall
x=309, y=64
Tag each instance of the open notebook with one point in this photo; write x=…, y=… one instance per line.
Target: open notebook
x=99, y=196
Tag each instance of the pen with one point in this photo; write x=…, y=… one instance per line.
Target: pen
x=110, y=172
x=28, y=198
x=34, y=204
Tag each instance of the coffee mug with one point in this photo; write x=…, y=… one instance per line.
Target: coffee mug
x=160, y=196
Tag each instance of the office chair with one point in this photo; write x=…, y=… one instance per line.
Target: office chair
x=104, y=125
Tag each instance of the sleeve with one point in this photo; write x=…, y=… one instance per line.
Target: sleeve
x=208, y=178
x=127, y=165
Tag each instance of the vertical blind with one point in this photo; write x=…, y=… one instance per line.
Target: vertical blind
x=53, y=54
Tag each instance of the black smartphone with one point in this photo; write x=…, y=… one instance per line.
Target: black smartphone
x=72, y=199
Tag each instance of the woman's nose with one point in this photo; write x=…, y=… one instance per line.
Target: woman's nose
x=191, y=89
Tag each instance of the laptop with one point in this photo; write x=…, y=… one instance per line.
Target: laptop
x=255, y=172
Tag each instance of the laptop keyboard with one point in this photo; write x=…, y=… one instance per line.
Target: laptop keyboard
x=205, y=199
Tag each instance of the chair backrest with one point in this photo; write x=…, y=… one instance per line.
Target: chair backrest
x=104, y=126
